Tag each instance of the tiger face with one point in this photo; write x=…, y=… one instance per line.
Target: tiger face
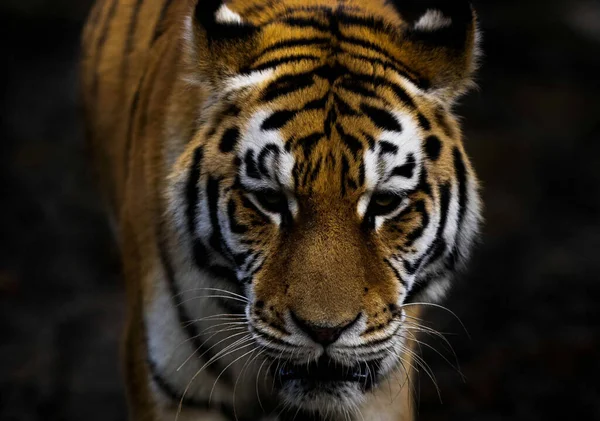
x=329, y=179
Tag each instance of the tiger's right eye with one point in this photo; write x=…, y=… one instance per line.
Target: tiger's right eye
x=272, y=201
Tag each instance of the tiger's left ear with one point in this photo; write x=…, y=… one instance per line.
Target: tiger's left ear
x=440, y=43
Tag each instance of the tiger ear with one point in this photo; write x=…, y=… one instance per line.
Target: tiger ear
x=440, y=42
x=221, y=37
x=219, y=22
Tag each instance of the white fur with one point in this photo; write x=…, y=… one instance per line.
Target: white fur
x=255, y=139
x=378, y=167
x=247, y=80
x=226, y=15
x=433, y=20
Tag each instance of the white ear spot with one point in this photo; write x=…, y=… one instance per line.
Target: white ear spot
x=226, y=15
x=433, y=20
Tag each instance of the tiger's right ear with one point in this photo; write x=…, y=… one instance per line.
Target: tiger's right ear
x=220, y=23
x=221, y=37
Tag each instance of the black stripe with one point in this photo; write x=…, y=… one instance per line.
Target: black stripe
x=433, y=147
x=361, y=174
x=439, y=244
x=264, y=219
x=344, y=174
x=307, y=170
x=352, y=142
x=143, y=118
x=461, y=180
x=292, y=43
x=442, y=121
x=92, y=20
x=216, y=238
x=284, y=60
x=192, y=194
x=424, y=122
x=396, y=273
x=315, y=172
x=343, y=107
x=371, y=46
x=176, y=397
x=413, y=236
x=131, y=128
x=200, y=253
x=296, y=171
x=407, y=170
x=224, y=273
x=277, y=120
x=436, y=249
x=129, y=40
x=271, y=148
x=382, y=119
x=234, y=225
x=229, y=139
x=160, y=28
x=418, y=288
x=306, y=23
x=368, y=22
x=309, y=142
x=424, y=185
x=100, y=45
x=328, y=123
x=316, y=104
x=386, y=147
x=149, y=91
x=251, y=168
x=192, y=191
x=171, y=392
x=357, y=87
x=330, y=72
x=190, y=328
x=287, y=84
x=370, y=140
x=387, y=64
x=411, y=268
x=398, y=90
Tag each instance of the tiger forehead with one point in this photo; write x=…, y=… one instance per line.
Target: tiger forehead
x=326, y=102
x=327, y=119
x=258, y=12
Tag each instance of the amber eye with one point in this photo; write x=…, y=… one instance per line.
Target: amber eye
x=384, y=203
x=272, y=201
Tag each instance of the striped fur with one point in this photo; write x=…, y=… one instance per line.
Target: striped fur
x=275, y=169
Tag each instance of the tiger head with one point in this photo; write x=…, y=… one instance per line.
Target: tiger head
x=327, y=176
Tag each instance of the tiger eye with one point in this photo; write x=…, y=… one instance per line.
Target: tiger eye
x=384, y=203
x=272, y=198
x=272, y=201
x=384, y=200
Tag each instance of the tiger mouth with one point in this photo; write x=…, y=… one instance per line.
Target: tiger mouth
x=326, y=370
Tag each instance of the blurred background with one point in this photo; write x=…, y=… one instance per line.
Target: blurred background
x=530, y=301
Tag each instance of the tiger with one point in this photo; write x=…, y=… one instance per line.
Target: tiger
x=289, y=190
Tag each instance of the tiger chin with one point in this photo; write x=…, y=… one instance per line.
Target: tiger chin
x=289, y=190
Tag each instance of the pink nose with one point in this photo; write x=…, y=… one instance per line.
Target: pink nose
x=323, y=335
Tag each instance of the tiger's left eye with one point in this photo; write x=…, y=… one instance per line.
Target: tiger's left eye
x=384, y=203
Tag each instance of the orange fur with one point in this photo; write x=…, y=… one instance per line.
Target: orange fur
x=149, y=78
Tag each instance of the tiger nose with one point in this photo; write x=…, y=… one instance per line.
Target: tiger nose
x=323, y=335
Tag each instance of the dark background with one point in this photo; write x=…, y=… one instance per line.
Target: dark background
x=529, y=300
